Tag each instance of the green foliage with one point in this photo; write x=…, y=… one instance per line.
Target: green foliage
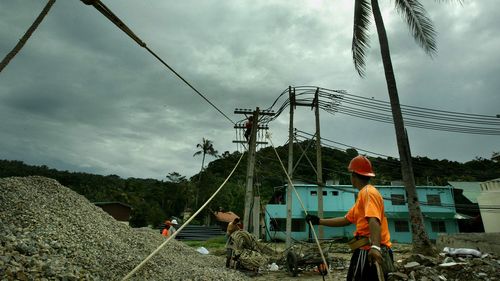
x=153, y=201
x=216, y=245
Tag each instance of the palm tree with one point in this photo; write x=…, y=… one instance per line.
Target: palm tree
x=423, y=32
x=27, y=35
x=206, y=147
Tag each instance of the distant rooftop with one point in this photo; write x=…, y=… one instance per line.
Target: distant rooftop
x=471, y=189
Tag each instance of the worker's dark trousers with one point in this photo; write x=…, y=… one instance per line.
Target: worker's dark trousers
x=360, y=268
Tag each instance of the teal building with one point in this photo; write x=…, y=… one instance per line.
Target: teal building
x=436, y=202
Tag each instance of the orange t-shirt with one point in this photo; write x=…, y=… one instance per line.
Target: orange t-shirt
x=165, y=232
x=369, y=205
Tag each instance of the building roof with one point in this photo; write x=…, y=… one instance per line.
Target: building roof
x=225, y=216
x=471, y=189
x=111, y=203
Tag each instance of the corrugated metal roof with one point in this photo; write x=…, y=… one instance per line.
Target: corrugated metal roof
x=471, y=189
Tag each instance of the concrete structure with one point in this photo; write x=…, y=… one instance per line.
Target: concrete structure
x=488, y=202
x=471, y=189
x=436, y=203
x=465, y=195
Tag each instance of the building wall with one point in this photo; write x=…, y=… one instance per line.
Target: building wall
x=488, y=200
x=340, y=198
x=116, y=210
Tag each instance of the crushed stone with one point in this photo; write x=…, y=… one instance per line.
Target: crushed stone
x=49, y=232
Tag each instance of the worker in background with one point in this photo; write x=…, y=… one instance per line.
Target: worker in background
x=248, y=128
x=166, y=228
x=371, y=244
x=173, y=226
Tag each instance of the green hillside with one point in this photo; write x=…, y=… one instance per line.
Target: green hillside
x=154, y=200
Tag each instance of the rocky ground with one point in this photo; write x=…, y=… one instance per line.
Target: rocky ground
x=49, y=232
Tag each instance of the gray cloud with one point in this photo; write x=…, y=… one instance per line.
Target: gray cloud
x=83, y=96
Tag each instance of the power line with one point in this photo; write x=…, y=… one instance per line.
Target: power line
x=346, y=145
x=339, y=101
x=119, y=23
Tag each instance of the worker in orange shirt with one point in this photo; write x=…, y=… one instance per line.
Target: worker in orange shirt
x=371, y=243
x=166, y=228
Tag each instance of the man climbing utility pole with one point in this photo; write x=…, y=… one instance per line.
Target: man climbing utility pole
x=252, y=146
x=291, y=93
x=250, y=170
x=319, y=166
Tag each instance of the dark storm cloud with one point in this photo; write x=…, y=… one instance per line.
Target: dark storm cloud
x=81, y=95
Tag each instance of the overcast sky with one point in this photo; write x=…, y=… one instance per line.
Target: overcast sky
x=82, y=96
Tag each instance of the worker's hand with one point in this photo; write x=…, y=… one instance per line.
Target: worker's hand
x=313, y=219
x=375, y=255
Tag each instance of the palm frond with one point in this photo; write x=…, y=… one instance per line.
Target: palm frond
x=420, y=25
x=360, y=37
x=197, y=153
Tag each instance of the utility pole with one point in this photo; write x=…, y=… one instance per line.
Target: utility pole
x=252, y=146
x=319, y=166
x=290, y=171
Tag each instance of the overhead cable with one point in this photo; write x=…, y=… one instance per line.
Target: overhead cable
x=119, y=23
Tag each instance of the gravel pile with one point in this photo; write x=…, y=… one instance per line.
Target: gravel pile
x=49, y=232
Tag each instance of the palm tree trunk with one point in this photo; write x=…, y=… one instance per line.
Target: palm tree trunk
x=199, y=179
x=421, y=242
x=26, y=36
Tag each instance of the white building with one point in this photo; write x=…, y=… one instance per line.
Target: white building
x=488, y=202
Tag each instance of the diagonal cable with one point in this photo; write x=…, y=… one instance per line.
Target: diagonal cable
x=119, y=23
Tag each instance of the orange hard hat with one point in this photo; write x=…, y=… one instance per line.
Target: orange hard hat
x=361, y=165
x=167, y=222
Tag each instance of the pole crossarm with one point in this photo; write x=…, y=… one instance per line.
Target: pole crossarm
x=244, y=142
x=242, y=126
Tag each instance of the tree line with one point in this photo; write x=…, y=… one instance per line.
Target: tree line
x=154, y=200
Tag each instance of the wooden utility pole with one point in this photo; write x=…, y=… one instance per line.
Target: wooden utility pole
x=290, y=171
x=319, y=166
x=250, y=170
x=250, y=201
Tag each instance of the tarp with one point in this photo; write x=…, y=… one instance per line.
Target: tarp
x=225, y=216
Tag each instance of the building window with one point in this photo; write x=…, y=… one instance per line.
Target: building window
x=335, y=193
x=401, y=226
x=315, y=193
x=438, y=226
x=277, y=224
x=398, y=199
x=298, y=225
x=433, y=200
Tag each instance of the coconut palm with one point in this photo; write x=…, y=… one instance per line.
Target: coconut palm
x=422, y=30
x=206, y=147
x=27, y=35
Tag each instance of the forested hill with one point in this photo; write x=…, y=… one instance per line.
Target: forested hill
x=154, y=200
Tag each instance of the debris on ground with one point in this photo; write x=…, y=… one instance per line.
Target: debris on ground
x=464, y=266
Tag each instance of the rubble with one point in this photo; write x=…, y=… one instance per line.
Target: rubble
x=446, y=268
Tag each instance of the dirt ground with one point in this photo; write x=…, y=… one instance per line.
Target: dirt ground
x=339, y=268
